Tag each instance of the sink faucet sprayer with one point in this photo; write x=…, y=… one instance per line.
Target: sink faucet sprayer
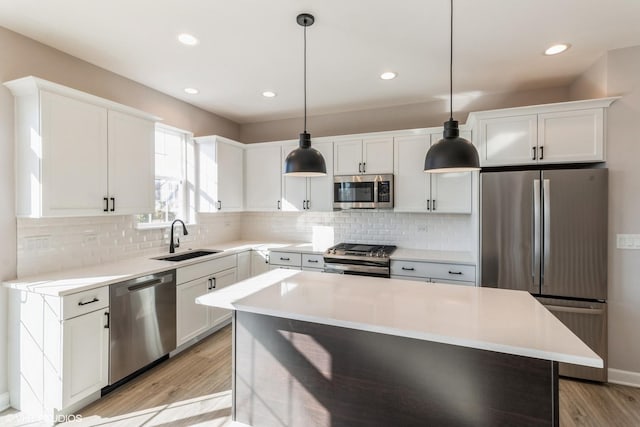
x=173, y=245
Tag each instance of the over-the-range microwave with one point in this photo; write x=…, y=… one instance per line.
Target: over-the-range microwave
x=363, y=192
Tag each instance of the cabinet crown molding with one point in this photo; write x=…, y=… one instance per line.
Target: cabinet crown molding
x=31, y=84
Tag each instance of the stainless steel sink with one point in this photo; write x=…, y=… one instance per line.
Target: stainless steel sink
x=188, y=255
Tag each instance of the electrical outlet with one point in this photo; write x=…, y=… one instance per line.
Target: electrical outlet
x=628, y=241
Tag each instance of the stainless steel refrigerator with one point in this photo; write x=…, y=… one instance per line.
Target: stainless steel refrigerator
x=545, y=231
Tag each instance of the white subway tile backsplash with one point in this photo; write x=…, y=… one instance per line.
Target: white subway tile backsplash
x=54, y=244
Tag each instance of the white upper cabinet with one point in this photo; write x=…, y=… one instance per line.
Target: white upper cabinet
x=416, y=191
x=567, y=132
x=263, y=175
x=308, y=194
x=131, y=164
x=80, y=155
x=370, y=155
x=221, y=174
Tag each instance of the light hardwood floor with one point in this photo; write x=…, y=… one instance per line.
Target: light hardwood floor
x=194, y=388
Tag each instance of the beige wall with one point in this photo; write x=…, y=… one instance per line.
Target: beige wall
x=22, y=56
x=618, y=74
x=19, y=57
x=393, y=118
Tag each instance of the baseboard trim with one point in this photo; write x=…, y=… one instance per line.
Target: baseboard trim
x=617, y=376
x=5, y=402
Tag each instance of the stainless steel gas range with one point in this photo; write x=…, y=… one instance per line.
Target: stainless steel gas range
x=359, y=259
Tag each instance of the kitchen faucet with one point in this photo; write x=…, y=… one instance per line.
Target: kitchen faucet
x=173, y=245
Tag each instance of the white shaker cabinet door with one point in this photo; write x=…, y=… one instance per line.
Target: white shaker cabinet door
x=347, y=158
x=451, y=192
x=192, y=319
x=411, y=184
x=221, y=280
x=571, y=136
x=85, y=356
x=131, y=164
x=74, y=156
x=263, y=174
x=508, y=140
x=230, y=177
x=320, y=189
x=259, y=262
x=377, y=155
x=294, y=188
x=244, y=265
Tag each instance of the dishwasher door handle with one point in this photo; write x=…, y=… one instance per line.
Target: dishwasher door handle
x=145, y=285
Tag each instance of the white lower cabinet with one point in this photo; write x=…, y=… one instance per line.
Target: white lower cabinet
x=259, y=262
x=244, y=265
x=85, y=356
x=58, y=350
x=196, y=280
x=434, y=272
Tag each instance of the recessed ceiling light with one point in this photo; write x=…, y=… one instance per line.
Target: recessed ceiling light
x=188, y=39
x=388, y=75
x=556, y=49
x=268, y=94
x=191, y=91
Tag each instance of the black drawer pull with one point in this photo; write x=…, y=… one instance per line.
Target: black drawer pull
x=285, y=259
x=95, y=299
x=312, y=260
x=107, y=325
x=113, y=204
x=106, y=204
x=408, y=268
x=456, y=272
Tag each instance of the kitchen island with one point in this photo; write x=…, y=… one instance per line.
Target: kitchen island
x=314, y=349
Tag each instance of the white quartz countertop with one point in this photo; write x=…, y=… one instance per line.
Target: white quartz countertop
x=449, y=257
x=498, y=320
x=67, y=282
x=70, y=281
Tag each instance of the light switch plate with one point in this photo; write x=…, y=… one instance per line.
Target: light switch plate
x=628, y=241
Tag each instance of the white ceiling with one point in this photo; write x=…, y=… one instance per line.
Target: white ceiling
x=248, y=46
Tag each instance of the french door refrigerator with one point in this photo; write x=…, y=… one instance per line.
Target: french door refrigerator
x=545, y=231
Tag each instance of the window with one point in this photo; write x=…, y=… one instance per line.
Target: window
x=173, y=156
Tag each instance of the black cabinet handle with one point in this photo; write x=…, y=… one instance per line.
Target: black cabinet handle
x=312, y=260
x=534, y=153
x=433, y=204
x=428, y=204
x=360, y=167
x=456, y=272
x=95, y=299
x=285, y=259
x=279, y=205
x=113, y=204
x=106, y=204
x=219, y=204
x=541, y=152
x=364, y=167
x=213, y=283
x=308, y=204
x=408, y=268
x=107, y=325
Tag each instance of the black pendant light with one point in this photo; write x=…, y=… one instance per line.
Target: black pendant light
x=452, y=153
x=304, y=160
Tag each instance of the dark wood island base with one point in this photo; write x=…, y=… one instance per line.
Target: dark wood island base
x=294, y=373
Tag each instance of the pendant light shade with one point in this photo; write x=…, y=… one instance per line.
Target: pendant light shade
x=452, y=153
x=304, y=160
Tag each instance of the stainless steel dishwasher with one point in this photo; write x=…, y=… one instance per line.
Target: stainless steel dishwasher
x=143, y=322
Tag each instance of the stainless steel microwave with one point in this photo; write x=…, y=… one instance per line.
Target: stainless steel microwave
x=363, y=192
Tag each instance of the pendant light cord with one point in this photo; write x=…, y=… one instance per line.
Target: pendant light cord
x=305, y=79
x=450, y=66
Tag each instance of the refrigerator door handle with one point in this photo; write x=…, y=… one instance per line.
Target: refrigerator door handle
x=535, y=270
x=577, y=310
x=546, y=228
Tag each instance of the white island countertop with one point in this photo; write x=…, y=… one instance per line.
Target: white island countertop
x=504, y=321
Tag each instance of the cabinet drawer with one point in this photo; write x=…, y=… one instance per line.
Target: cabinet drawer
x=285, y=258
x=410, y=269
x=457, y=272
x=85, y=302
x=434, y=270
x=205, y=268
x=313, y=261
